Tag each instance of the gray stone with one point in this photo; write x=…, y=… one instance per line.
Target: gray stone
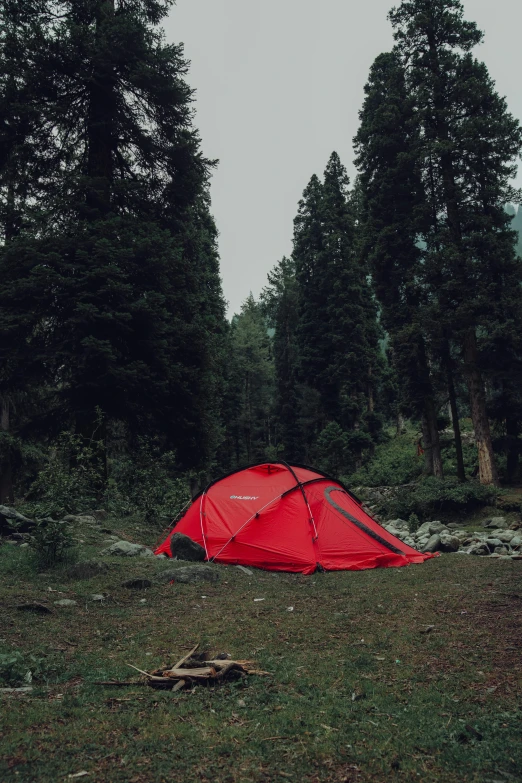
x=453, y=525
x=493, y=542
x=433, y=544
x=87, y=569
x=126, y=549
x=449, y=543
x=398, y=524
x=437, y=527
x=137, y=584
x=423, y=530
x=189, y=575
x=245, y=570
x=516, y=541
x=505, y=536
x=163, y=556
x=98, y=597
x=479, y=549
x=184, y=548
x=12, y=521
x=501, y=550
x=496, y=522
x=65, y=602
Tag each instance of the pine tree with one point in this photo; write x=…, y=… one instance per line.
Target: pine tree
x=337, y=332
x=116, y=297
x=472, y=143
x=394, y=215
x=280, y=303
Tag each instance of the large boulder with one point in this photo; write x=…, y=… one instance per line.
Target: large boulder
x=496, y=522
x=11, y=521
x=433, y=545
x=506, y=536
x=126, y=549
x=184, y=548
x=449, y=543
x=189, y=574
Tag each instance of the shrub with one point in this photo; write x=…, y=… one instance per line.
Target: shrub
x=413, y=523
x=18, y=669
x=436, y=497
x=52, y=544
x=71, y=478
x=394, y=462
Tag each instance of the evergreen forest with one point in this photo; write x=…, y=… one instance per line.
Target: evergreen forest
x=385, y=350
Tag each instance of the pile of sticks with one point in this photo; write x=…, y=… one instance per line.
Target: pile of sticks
x=197, y=670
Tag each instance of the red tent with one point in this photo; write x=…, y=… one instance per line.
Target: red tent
x=288, y=518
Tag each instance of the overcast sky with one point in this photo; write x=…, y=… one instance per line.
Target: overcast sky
x=279, y=86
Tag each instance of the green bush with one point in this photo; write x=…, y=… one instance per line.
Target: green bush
x=72, y=478
x=52, y=544
x=394, y=462
x=434, y=497
x=147, y=483
x=413, y=523
x=18, y=669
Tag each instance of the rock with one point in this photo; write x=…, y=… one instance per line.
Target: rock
x=137, y=584
x=65, y=602
x=516, y=541
x=437, y=527
x=184, y=548
x=98, y=597
x=501, y=550
x=100, y=514
x=126, y=549
x=479, y=549
x=449, y=543
x=246, y=571
x=398, y=524
x=515, y=526
x=35, y=607
x=87, y=569
x=24, y=546
x=163, y=556
x=453, y=525
x=506, y=536
x=496, y=522
x=433, y=544
x=189, y=575
x=493, y=542
x=12, y=521
x=423, y=530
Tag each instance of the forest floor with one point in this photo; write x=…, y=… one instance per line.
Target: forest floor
x=407, y=674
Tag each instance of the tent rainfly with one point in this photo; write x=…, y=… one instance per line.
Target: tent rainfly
x=288, y=518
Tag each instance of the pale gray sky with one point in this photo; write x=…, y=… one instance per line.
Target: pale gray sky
x=279, y=86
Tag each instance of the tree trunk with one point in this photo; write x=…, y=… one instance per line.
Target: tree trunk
x=486, y=459
x=400, y=424
x=6, y=472
x=430, y=436
x=461, y=471
x=512, y=449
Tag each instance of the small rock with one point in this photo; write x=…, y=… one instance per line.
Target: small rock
x=516, y=541
x=493, y=542
x=189, y=575
x=163, y=556
x=433, y=544
x=34, y=606
x=245, y=570
x=98, y=597
x=496, y=522
x=126, y=549
x=479, y=549
x=87, y=569
x=515, y=526
x=184, y=548
x=449, y=543
x=398, y=524
x=453, y=525
x=505, y=536
x=65, y=602
x=137, y=584
x=501, y=550
x=241, y=703
x=24, y=545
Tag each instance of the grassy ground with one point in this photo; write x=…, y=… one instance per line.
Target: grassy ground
x=359, y=691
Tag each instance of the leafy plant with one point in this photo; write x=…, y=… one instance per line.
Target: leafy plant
x=18, y=669
x=52, y=543
x=436, y=497
x=413, y=523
